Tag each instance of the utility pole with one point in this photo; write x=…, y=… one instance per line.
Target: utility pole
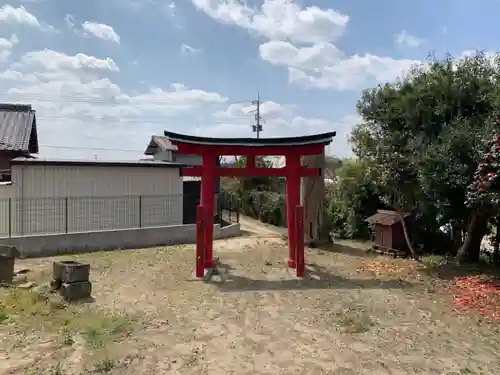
x=257, y=128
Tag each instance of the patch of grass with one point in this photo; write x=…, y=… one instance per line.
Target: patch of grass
x=34, y=307
x=106, y=328
x=31, y=371
x=34, y=311
x=446, y=268
x=57, y=369
x=354, y=321
x=432, y=263
x=67, y=338
x=4, y=316
x=104, y=365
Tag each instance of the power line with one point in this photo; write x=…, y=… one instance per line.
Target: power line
x=257, y=128
x=114, y=119
x=89, y=148
x=110, y=100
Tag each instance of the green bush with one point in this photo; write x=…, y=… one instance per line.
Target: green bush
x=351, y=200
x=268, y=207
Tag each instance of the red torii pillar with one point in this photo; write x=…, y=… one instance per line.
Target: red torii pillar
x=211, y=148
x=292, y=200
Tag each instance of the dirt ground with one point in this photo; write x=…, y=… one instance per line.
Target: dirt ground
x=149, y=316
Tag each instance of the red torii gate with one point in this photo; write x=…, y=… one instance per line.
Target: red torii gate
x=211, y=148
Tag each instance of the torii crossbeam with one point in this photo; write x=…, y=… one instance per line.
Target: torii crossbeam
x=211, y=148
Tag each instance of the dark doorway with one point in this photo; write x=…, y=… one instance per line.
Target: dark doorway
x=191, y=199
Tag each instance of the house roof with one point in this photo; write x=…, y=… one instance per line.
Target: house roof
x=159, y=142
x=386, y=218
x=101, y=163
x=18, y=128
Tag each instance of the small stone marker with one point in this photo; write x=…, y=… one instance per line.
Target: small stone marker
x=76, y=291
x=8, y=255
x=70, y=271
x=71, y=278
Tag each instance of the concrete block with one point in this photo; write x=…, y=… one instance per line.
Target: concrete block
x=9, y=251
x=70, y=271
x=76, y=291
x=6, y=269
x=73, y=243
x=55, y=284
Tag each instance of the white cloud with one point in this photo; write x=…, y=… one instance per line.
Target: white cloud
x=303, y=58
x=405, y=39
x=170, y=8
x=52, y=61
x=243, y=111
x=21, y=16
x=280, y=120
x=278, y=19
x=318, y=63
x=323, y=66
x=49, y=73
x=69, y=19
x=78, y=103
x=100, y=31
x=6, y=46
x=185, y=48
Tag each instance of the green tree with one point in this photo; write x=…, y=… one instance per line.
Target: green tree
x=353, y=198
x=257, y=183
x=424, y=135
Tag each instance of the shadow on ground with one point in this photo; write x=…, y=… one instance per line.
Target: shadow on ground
x=247, y=233
x=316, y=278
x=347, y=250
x=448, y=269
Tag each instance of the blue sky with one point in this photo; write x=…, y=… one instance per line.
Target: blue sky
x=109, y=74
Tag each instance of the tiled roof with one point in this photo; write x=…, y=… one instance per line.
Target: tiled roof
x=159, y=142
x=18, y=128
x=316, y=139
x=385, y=218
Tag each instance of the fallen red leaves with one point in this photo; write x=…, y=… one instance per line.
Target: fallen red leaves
x=479, y=294
x=386, y=268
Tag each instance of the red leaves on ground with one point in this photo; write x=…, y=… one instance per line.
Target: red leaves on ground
x=388, y=268
x=479, y=294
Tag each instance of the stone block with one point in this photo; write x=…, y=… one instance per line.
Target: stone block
x=55, y=284
x=70, y=271
x=6, y=269
x=76, y=291
x=9, y=251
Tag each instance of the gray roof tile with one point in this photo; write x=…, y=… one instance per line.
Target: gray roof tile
x=159, y=142
x=18, y=128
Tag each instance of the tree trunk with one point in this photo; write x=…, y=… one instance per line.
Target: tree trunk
x=469, y=252
x=313, y=196
x=402, y=220
x=457, y=238
x=496, y=251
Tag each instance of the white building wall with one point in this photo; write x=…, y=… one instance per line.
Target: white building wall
x=59, y=199
x=177, y=157
x=163, y=156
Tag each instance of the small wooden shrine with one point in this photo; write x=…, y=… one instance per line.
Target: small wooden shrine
x=388, y=233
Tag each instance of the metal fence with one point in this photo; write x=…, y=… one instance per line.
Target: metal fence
x=229, y=208
x=29, y=216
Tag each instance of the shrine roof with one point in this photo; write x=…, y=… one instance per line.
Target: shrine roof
x=316, y=139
